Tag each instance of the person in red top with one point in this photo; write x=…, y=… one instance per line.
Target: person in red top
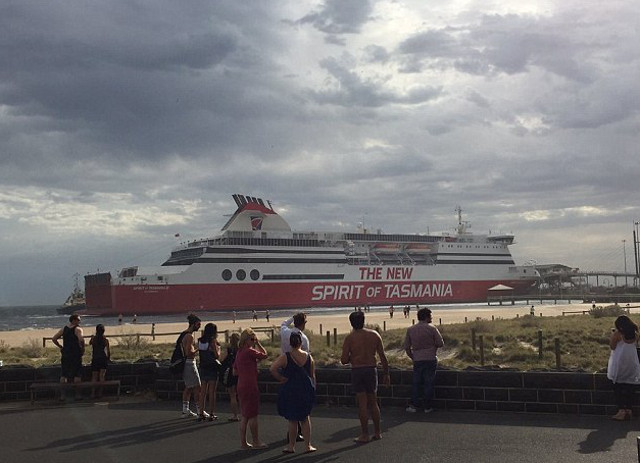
x=245, y=368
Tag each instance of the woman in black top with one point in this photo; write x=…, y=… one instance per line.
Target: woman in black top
x=209, y=351
x=100, y=356
x=228, y=379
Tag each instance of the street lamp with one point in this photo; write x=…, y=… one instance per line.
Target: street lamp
x=624, y=252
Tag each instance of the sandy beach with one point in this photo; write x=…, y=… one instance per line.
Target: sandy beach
x=167, y=332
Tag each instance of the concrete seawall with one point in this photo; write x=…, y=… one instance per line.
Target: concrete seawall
x=482, y=390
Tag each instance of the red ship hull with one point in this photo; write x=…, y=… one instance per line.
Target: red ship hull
x=164, y=299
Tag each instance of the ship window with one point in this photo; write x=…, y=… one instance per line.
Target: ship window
x=241, y=274
x=226, y=274
x=254, y=274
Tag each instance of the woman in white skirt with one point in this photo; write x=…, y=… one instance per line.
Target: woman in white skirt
x=624, y=368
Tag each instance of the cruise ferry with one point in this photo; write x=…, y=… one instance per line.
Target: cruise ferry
x=258, y=262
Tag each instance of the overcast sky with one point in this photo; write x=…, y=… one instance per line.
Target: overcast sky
x=124, y=123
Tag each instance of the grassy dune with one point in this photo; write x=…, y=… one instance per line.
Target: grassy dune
x=512, y=343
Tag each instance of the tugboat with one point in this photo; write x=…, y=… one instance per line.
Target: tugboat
x=75, y=301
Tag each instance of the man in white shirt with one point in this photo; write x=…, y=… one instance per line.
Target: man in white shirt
x=299, y=321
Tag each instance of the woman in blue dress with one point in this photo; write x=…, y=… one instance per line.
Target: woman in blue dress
x=296, y=371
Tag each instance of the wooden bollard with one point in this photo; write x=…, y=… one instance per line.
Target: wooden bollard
x=473, y=338
x=320, y=329
x=539, y=344
x=492, y=317
x=557, y=349
x=335, y=336
x=440, y=321
x=413, y=322
x=138, y=338
x=465, y=319
x=481, y=339
x=328, y=339
x=226, y=336
x=384, y=325
x=153, y=331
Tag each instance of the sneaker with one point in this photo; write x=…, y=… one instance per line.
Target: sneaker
x=189, y=414
x=428, y=410
x=204, y=415
x=411, y=409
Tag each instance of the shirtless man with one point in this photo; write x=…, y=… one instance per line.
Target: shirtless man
x=359, y=349
x=72, y=349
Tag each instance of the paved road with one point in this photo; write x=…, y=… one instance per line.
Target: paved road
x=139, y=430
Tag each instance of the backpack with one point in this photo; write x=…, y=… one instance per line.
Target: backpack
x=176, y=364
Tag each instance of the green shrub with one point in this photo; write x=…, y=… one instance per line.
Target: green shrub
x=608, y=311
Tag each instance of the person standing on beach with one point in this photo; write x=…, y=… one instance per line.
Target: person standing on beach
x=359, y=349
x=100, y=356
x=190, y=375
x=72, y=350
x=421, y=343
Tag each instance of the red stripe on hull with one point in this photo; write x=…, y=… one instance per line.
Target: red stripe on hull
x=156, y=299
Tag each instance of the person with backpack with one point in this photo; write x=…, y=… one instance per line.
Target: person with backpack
x=227, y=378
x=190, y=374
x=209, y=351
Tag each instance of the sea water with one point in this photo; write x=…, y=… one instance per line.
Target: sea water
x=46, y=316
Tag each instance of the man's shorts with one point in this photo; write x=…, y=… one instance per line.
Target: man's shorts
x=364, y=379
x=190, y=374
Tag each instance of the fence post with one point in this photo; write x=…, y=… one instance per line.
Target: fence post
x=273, y=338
x=328, y=339
x=384, y=325
x=153, y=331
x=226, y=336
x=481, y=350
x=557, y=348
x=44, y=342
x=335, y=336
x=473, y=339
x=540, y=344
x=320, y=329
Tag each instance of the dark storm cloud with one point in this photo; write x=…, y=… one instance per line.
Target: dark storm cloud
x=127, y=83
x=339, y=16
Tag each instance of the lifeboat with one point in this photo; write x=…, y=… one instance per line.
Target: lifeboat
x=418, y=248
x=386, y=248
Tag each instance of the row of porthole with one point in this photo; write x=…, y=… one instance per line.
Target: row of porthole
x=240, y=275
